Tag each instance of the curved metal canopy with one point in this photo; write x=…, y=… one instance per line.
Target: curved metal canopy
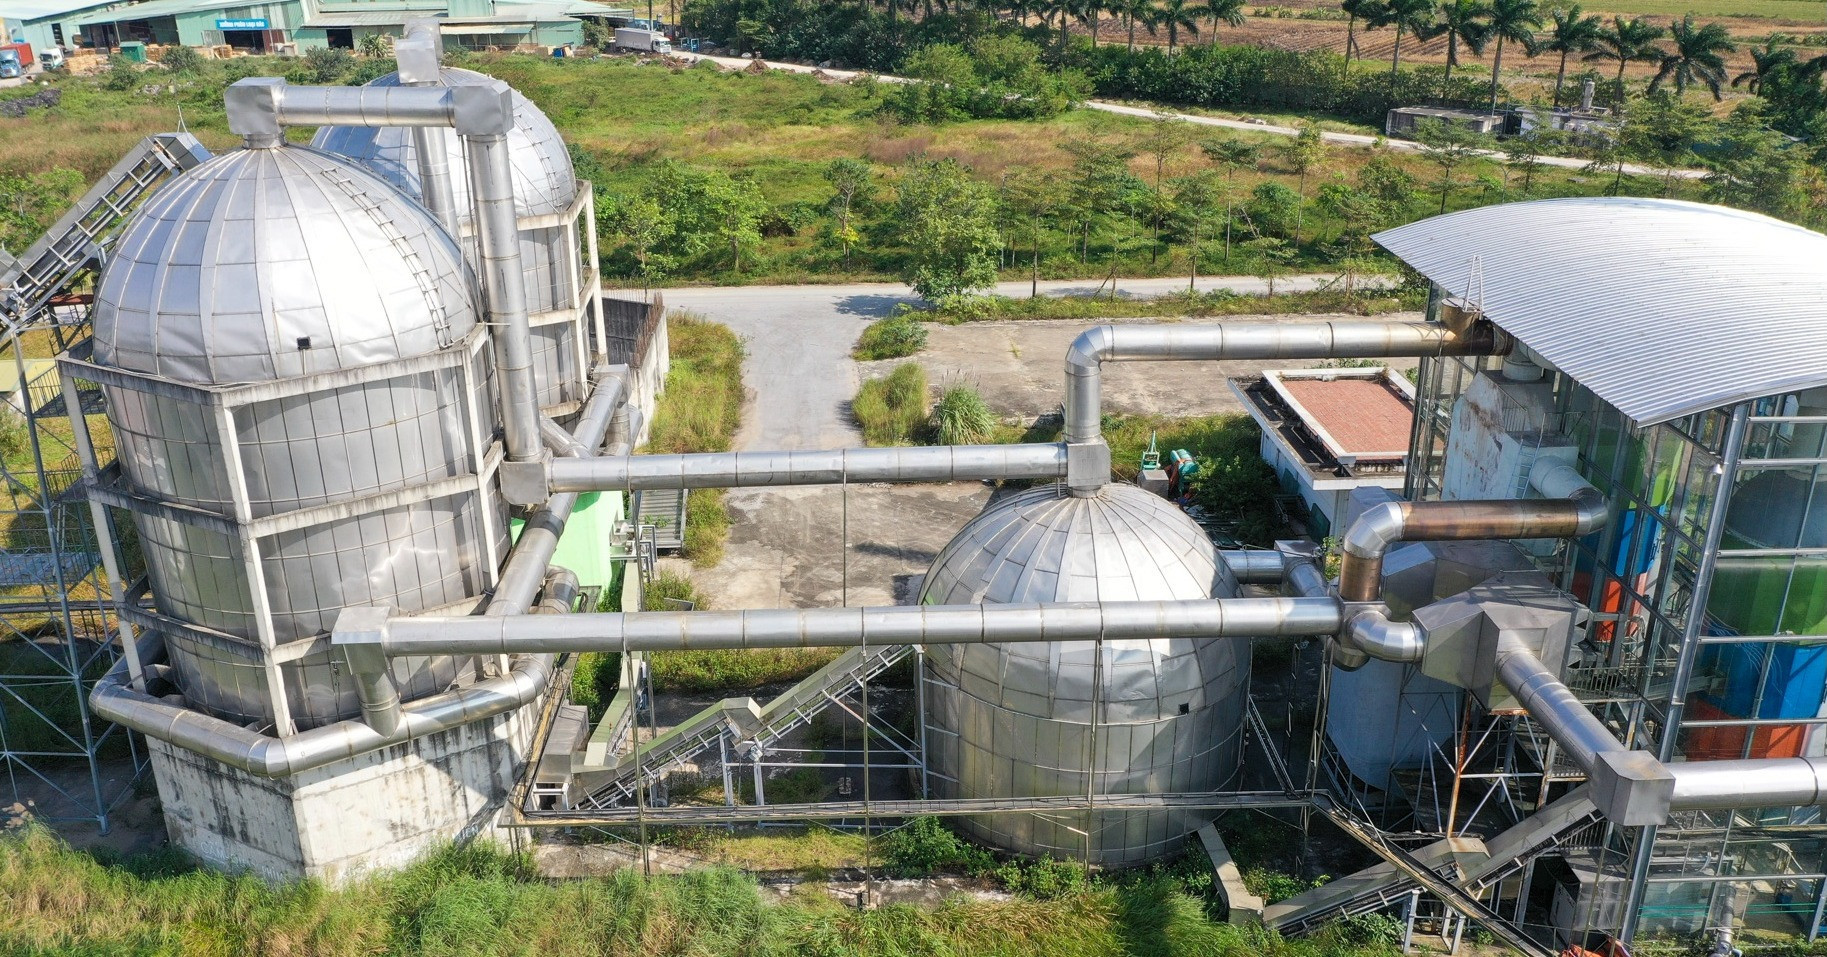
x=1662, y=308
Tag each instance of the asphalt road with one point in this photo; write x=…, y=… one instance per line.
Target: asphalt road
x=799, y=372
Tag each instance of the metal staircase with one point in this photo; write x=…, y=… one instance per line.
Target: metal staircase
x=745, y=725
x=81, y=238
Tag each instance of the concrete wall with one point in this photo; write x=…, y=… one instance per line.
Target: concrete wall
x=375, y=812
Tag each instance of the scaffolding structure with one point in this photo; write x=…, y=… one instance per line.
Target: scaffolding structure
x=58, y=631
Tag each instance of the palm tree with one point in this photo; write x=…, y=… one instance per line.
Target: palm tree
x=1356, y=10
x=1087, y=12
x=1767, y=62
x=1227, y=12
x=1574, y=32
x=1515, y=20
x=1177, y=15
x=1626, y=41
x=1134, y=13
x=1412, y=16
x=1697, y=56
x=1460, y=21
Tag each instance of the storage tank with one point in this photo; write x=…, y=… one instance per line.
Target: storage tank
x=544, y=185
x=1017, y=720
x=296, y=351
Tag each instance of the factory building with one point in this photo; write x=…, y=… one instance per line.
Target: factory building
x=373, y=430
x=298, y=25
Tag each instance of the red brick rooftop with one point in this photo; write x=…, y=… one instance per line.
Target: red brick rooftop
x=1363, y=416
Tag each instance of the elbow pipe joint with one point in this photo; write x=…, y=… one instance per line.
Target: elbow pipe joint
x=1371, y=633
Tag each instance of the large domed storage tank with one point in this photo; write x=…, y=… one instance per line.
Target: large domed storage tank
x=1016, y=720
x=544, y=185
x=286, y=309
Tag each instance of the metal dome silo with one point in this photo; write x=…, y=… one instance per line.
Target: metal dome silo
x=545, y=189
x=1031, y=719
x=291, y=355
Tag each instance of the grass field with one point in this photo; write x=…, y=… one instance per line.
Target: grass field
x=477, y=901
x=781, y=131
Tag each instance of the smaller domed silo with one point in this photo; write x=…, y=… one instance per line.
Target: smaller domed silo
x=1017, y=720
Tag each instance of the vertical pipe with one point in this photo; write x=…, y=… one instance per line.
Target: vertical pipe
x=491, y=182
x=436, y=191
x=1731, y=452
x=1408, y=931
x=723, y=752
x=920, y=708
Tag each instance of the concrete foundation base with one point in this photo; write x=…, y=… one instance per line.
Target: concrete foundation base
x=375, y=812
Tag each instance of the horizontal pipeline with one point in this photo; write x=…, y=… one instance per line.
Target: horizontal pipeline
x=937, y=463
x=851, y=627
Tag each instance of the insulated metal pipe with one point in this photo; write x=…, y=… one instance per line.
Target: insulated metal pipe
x=1757, y=782
x=1323, y=340
x=172, y=721
x=1372, y=634
x=491, y=183
x=1254, y=566
x=417, y=56
x=525, y=570
x=850, y=627
x=1361, y=571
x=1580, y=734
x=937, y=463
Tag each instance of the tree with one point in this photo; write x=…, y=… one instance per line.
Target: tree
x=1356, y=211
x=852, y=181
x=1355, y=10
x=1273, y=210
x=1627, y=41
x=1197, y=199
x=1411, y=16
x=1227, y=12
x=1447, y=146
x=948, y=220
x=1036, y=197
x=1306, y=151
x=737, y=206
x=1177, y=15
x=1524, y=154
x=1697, y=56
x=1573, y=33
x=1461, y=22
x=1167, y=135
x=1100, y=179
x=645, y=226
x=1135, y=13
x=1269, y=259
x=1756, y=168
x=705, y=206
x=1662, y=130
x=1515, y=21
x=1230, y=156
x=1767, y=64
x=1388, y=182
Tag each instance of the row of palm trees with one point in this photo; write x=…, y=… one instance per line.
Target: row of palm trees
x=1172, y=17
x=1696, y=54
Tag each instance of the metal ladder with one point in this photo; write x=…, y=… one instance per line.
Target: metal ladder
x=82, y=236
x=792, y=709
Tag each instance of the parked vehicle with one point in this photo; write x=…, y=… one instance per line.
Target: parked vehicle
x=15, y=58
x=644, y=41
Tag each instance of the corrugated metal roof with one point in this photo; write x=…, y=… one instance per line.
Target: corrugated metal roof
x=1662, y=308
x=149, y=10
x=26, y=11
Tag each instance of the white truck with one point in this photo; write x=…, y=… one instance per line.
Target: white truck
x=644, y=41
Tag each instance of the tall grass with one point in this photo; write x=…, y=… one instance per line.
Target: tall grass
x=700, y=411
x=892, y=410
x=702, y=405
x=961, y=418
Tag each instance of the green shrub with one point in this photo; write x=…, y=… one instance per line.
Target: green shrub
x=892, y=338
x=594, y=681
x=182, y=59
x=1046, y=879
x=892, y=410
x=327, y=65
x=961, y=418
x=707, y=527
x=926, y=845
x=122, y=75
x=666, y=588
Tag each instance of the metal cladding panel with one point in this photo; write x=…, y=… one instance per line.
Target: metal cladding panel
x=1021, y=716
x=1662, y=308
x=270, y=263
